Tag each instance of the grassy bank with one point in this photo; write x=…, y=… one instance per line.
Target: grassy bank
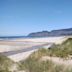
x=34, y=64
x=63, y=51
x=5, y=64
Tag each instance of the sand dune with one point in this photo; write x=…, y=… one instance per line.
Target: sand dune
x=19, y=44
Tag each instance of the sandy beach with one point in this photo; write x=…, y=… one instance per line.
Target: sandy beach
x=19, y=44
x=56, y=40
x=16, y=45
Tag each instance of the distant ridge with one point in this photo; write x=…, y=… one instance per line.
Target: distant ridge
x=60, y=32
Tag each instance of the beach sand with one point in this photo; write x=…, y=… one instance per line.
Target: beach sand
x=18, y=44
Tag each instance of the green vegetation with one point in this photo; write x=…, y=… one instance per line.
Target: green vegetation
x=5, y=63
x=35, y=64
x=64, y=50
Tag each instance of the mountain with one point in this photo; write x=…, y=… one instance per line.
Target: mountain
x=61, y=32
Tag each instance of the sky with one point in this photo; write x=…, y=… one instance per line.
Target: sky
x=21, y=17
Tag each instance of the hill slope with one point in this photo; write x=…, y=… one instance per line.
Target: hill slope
x=61, y=32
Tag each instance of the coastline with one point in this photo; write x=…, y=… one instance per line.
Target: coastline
x=19, y=44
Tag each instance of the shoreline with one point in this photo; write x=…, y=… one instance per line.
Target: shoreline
x=19, y=44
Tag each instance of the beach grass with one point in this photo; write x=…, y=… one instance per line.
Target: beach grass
x=5, y=63
x=34, y=64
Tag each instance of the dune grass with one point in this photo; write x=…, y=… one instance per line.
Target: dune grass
x=33, y=63
x=64, y=50
x=5, y=64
